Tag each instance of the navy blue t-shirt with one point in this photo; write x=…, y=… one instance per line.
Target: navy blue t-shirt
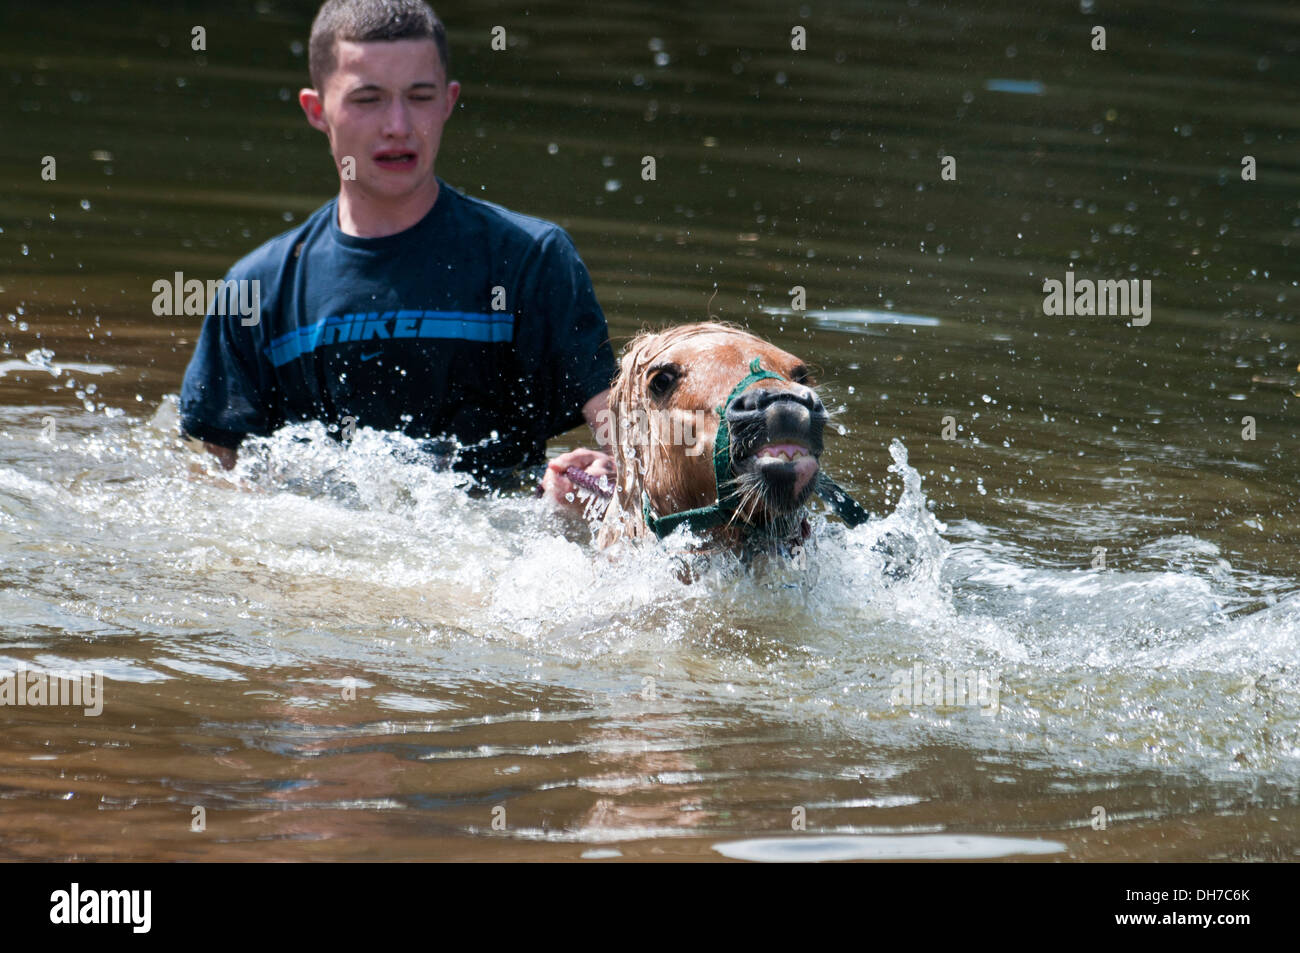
x=400, y=333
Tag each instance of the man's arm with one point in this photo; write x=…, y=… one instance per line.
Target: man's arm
x=555, y=485
x=562, y=343
x=228, y=391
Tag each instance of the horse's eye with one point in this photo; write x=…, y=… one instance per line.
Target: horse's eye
x=801, y=375
x=663, y=382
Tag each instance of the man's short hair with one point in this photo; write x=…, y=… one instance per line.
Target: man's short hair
x=365, y=21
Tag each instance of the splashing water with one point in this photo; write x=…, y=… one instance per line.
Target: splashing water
x=323, y=537
x=324, y=557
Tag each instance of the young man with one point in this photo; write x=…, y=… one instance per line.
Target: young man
x=401, y=304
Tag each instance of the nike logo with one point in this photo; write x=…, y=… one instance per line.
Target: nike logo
x=366, y=357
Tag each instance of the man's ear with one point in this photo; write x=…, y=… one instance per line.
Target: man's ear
x=314, y=106
x=453, y=93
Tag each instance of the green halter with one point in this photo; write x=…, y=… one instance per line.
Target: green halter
x=707, y=517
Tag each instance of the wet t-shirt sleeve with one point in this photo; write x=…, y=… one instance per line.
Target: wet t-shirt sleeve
x=228, y=393
x=562, y=340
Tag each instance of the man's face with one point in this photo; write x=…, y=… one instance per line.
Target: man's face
x=384, y=105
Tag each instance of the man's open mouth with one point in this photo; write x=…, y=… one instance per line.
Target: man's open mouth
x=397, y=160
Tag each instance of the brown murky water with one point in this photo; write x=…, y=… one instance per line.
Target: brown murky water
x=515, y=695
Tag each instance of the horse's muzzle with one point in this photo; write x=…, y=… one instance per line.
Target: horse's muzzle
x=776, y=437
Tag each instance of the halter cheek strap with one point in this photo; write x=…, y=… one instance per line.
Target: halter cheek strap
x=716, y=514
x=707, y=517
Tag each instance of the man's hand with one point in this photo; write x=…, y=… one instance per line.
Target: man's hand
x=224, y=454
x=556, y=486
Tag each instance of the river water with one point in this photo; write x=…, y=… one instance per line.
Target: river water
x=335, y=653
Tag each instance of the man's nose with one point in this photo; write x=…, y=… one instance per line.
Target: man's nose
x=397, y=121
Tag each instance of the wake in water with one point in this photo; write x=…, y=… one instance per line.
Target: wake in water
x=322, y=550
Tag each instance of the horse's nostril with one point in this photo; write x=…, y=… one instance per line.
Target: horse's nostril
x=808, y=397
